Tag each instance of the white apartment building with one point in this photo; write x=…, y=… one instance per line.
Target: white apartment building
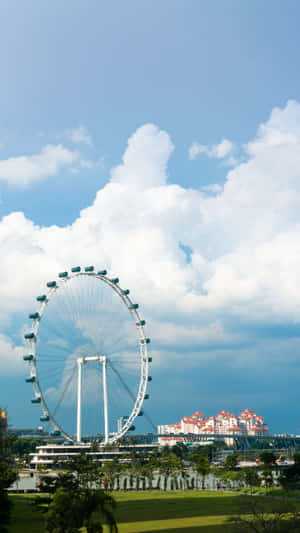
x=224, y=423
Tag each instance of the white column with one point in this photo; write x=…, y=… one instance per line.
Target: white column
x=105, y=401
x=79, y=364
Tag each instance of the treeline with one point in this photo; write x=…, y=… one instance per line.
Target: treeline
x=8, y=472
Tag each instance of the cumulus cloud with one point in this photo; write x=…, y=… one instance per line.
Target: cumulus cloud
x=22, y=170
x=243, y=263
x=80, y=135
x=218, y=151
x=145, y=160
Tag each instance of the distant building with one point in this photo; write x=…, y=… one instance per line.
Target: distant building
x=224, y=423
x=52, y=455
x=29, y=432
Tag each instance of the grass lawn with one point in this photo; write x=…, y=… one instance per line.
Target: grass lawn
x=137, y=512
x=24, y=518
x=203, y=511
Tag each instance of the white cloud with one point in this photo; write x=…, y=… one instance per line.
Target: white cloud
x=10, y=356
x=22, y=170
x=145, y=160
x=218, y=151
x=244, y=240
x=80, y=135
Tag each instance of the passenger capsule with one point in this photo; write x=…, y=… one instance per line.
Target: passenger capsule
x=145, y=341
x=51, y=284
x=42, y=298
x=89, y=269
x=29, y=336
x=44, y=418
x=125, y=292
x=133, y=306
x=34, y=316
x=36, y=400
x=149, y=378
x=63, y=275
x=141, y=413
x=141, y=323
x=32, y=379
x=146, y=397
x=115, y=280
x=132, y=428
x=102, y=272
x=75, y=269
x=55, y=433
x=29, y=357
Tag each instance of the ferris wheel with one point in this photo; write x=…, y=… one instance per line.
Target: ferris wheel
x=88, y=359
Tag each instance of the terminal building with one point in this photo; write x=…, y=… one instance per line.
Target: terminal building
x=52, y=455
x=247, y=423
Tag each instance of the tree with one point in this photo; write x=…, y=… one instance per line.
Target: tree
x=180, y=450
x=168, y=465
x=231, y=462
x=267, y=476
x=268, y=462
x=268, y=459
x=65, y=480
x=202, y=466
x=85, y=469
x=166, y=450
x=251, y=477
x=7, y=472
x=290, y=478
x=94, y=503
x=63, y=515
x=22, y=447
x=70, y=511
x=230, y=476
x=111, y=471
x=148, y=472
x=266, y=515
x=183, y=474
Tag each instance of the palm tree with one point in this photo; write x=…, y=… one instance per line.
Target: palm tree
x=93, y=503
x=203, y=468
x=169, y=464
x=149, y=472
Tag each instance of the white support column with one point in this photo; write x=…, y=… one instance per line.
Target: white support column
x=79, y=365
x=81, y=361
x=105, y=401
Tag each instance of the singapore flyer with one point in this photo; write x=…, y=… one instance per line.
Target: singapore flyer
x=87, y=353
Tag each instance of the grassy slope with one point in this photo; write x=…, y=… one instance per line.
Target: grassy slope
x=174, y=511
x=170, y=512
x=24, y=518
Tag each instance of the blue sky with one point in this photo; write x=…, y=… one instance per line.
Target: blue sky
x=104, y=108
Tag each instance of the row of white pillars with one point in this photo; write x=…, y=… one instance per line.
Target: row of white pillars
x=81, y=361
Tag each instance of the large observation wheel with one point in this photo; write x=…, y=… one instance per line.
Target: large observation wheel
x=87, y=353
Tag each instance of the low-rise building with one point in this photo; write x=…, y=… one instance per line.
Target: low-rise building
x=51, y=455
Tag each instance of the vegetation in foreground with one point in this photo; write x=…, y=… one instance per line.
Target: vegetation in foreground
x=138, y=512
x=7, y=473
x=180, y=511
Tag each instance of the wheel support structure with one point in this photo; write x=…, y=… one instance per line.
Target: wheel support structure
x=80, y=362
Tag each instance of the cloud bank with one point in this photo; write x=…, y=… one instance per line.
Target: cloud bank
x=243, y=266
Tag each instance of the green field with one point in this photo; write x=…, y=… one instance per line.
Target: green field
x=137, y=512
